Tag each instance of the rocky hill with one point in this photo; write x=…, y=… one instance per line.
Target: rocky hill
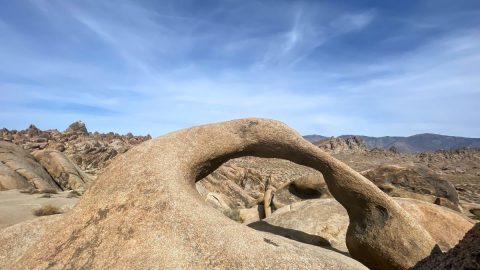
x=412, y=144
x=342, y=145
x=90, y=151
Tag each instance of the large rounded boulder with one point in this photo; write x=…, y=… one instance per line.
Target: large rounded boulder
x=324, y=222
x=64, y=172
x=20, y=170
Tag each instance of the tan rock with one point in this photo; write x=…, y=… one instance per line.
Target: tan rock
x=253, y=214
x=244, y=181
x=446, y=226
x=320, y=222
x=9, y=179
x=77, y=127
x=16, y=239
x=64, y=172
x=144, y=212
x=19, y=170
x=465, y=255
x=414, y=182
x=324, y=222
x=217, y=200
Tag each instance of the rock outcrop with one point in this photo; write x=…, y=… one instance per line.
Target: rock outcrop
x=324, y=222
x=144, y=212
x=77, y=127
x=243, y=182
x=17, y=239
x=414, y=182
x=342, y=145
x=320, y=222
x=20, y=170
x=91, y=152
x=64, y=172
x=465, y=255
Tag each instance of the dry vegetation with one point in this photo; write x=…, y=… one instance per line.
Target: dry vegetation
x=47, y=210
x=233, y=214
x=39, y=191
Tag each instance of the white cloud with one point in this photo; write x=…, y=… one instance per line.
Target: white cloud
x=164, y=71
x=352, y=21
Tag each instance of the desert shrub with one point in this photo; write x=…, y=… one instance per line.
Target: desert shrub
x=46, y=210
x=73, y=194
x=30, y=191
x=49, y=191
x=233, y=214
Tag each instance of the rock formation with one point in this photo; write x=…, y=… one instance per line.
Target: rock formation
x=17, y=239
x=91, y=152
x=243, y=182
x=465, y=255
x=144, y=212
x=64, y=172
x=20, y=170
x=77, y=127
x=342, y=145
x=324, y=222
x=414, y=182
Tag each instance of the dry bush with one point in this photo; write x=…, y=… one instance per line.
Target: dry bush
x=46, y=210
x=73, y=194
x=233, y=214
x=30, y=191
x=49, y=191
x=39, y=191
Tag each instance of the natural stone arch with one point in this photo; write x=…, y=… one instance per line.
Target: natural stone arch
x=144, y=210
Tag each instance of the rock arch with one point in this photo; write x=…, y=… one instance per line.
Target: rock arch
x=143, y=211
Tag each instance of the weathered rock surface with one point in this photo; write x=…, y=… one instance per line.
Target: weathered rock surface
x=446, y=226
x=64, y=172
x=243, y=182
x=144, y=212
x=416, y=182
x=465, y=255
x=19, y=170
x=77, y=127
x=324, y=222
x=320, y=222
x=17, y=239
x=91, y=152
x=335, y=145
x=460, y=167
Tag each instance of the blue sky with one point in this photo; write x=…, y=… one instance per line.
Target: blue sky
x=326, y=67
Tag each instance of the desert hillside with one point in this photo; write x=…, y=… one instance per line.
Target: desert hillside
x=411, y=144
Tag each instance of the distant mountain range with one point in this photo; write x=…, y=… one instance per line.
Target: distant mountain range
x=411, y=144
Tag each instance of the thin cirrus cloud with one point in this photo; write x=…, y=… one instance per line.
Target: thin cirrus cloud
x=346, y=67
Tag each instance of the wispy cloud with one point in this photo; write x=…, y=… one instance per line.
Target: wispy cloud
x=151, y=67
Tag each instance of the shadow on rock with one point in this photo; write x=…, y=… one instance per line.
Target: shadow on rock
x=299, y=236
x=465, y=255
